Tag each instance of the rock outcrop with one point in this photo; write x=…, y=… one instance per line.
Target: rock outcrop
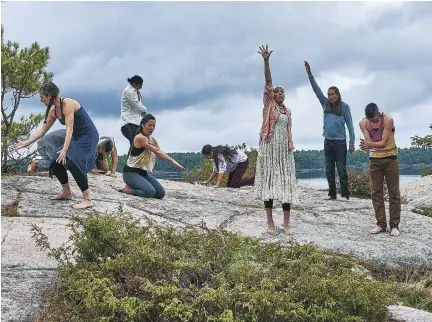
x=340, y=226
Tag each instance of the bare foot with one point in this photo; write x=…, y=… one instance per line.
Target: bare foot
x=125, y=189
x=63, y=196
x=395, y=232
x=286, y=227
x=271, y=229
x=376, y=230
x=85, y=204
x=32, y=166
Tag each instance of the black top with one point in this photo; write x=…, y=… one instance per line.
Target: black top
x=133, y=151
x=136, y=151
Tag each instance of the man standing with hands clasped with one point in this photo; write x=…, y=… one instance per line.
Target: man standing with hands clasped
x=379, y=137
x=336, y=115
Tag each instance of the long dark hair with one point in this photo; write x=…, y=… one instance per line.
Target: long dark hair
x=108, y=146
x=226, y=151
x=336, y=107
x=144, y=121
x=49, y=89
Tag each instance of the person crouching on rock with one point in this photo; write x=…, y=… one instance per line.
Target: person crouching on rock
x=53, y=141
x=141, y=160
x=227, y=160
x=47, y=148
x=105, y=147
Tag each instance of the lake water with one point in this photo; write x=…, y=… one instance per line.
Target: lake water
x=322, y=182
x=314, y=178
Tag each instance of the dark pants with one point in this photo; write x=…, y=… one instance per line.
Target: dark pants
x=144, y=185
x=61, y=174
x=235, y=179
x=388, y=169
x=336, y=153
x=129, y=131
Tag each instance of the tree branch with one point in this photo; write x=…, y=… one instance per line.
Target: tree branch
x=17, y=99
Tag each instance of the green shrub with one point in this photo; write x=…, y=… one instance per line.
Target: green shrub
x=201, y=173
x=359, y=183
x=413, y=283
x=423, y=210
x=414, y=297
x=425, y=171
x=124, y=272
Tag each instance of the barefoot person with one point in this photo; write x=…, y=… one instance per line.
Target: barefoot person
x=227, y=160
x=141, y=160
x=275, y=176
x=53, y=142
x=77, y=154
x=105, y=147
x=132, y=110
x=379, y=136
x=47, y=148
x=337, y=114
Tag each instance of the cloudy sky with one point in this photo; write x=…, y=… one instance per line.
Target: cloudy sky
x=203, y=77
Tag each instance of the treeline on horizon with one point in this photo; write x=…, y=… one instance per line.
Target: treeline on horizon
x=305, y=159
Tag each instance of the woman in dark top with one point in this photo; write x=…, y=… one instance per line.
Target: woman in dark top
x=77, y=153
x=141, y=160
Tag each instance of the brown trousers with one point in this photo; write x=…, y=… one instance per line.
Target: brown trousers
x=388, y=169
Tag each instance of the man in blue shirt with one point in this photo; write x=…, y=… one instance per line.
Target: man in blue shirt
x=336, y=115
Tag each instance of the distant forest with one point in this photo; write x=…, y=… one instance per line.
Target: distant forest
x=310, y=159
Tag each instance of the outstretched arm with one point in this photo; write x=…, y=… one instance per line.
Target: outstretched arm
x=159, y=153
x=318, y=92
x=266, y=55
x=222, y=170
x=39, y=133
x=268, y=90
x=210, y=178
x=219, y=180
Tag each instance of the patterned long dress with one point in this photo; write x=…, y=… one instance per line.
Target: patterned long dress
x=275, y=176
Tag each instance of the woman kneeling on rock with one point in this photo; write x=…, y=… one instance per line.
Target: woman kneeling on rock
x=227, y=160
x=141, y=160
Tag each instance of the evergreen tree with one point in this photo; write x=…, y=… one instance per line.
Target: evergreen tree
x=23, y=72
